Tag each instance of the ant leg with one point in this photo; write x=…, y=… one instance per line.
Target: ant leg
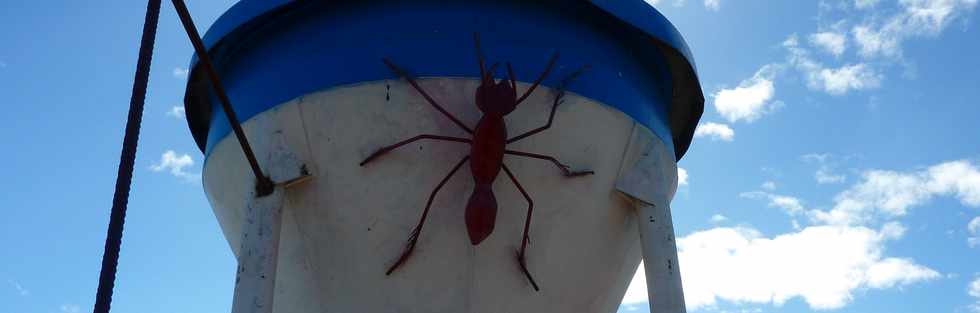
x=547, y=69
x=527, y=226
x=513, y=78
x=554, y=106
x=386, y=149
x=411, y=80
x=414, y=237
x=562, y=167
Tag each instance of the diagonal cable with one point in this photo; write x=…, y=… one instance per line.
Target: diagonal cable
x=124, y=178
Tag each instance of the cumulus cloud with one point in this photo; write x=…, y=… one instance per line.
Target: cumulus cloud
x=825, y=172
x=974, y=291
x=835, y=81
x=823, y=265
x=718, y=218
x=176, y=112
x=824, y=176
x=637, y=290
x=915, y=18
x=681, y=177
x=973, y=228
x=831, y=42
x=816, y=157
x=715, y=131
x=750, y=99
x=890, y=194
x=70, y=308
x=882, y=195
x=790, y=205
x=769, y=185
x=713, y=5
x=865, y=4
x=838, y=81
x=176, y=165
x=21, y=291
x=180, y=72
x=830, y=261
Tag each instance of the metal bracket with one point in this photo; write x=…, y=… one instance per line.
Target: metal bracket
x=646, y=179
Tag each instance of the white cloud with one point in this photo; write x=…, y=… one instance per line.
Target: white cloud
x=865, y=4
x=825, y=172
x=715, y=131
x=177, y=112
x=974, y=225
x=176, y=165
x=889, y=194
x=750, y=99
x=831, y=42
x=823, y=265
x=828, y=263
x=816, y=157
x=883, y=195
x=835, y=81
x=681, y=177
x=769, y=185
x=973, y=228
x=791, y=205
x=180, y=72
x=838, y=81
x=23, y=292
x=713, y=5
x=70, y=308
x=718, y=218
x=825, y=176
x=974, y=291
x=637, y=290
x=915, y=18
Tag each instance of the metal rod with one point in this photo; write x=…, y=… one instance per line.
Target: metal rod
x=263, y=184
x=124, y=177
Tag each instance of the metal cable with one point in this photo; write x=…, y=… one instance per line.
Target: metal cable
x=263, y=185
x=113, y=241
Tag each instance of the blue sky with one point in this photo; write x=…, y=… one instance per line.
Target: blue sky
x=836, y=168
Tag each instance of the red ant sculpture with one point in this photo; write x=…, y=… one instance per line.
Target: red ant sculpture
x=487, y=150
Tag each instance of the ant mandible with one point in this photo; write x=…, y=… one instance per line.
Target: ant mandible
x=487, y=150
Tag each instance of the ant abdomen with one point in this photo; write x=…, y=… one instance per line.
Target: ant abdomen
x=481, y=213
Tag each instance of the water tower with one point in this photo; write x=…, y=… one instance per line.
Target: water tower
x=321, y=86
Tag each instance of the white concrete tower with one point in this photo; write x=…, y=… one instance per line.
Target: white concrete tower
x=308, y=82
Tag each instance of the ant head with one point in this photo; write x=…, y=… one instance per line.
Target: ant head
x=496, y=98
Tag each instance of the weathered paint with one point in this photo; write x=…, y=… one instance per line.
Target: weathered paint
x=255, y=277
x=345, y=227
x=257, y=263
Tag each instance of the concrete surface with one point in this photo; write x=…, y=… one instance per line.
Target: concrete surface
x=342, y=229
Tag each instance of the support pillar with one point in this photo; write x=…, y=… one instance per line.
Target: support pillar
x=650, y=184
x=258, y=255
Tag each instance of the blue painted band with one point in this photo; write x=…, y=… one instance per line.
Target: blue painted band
x=271, y=52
